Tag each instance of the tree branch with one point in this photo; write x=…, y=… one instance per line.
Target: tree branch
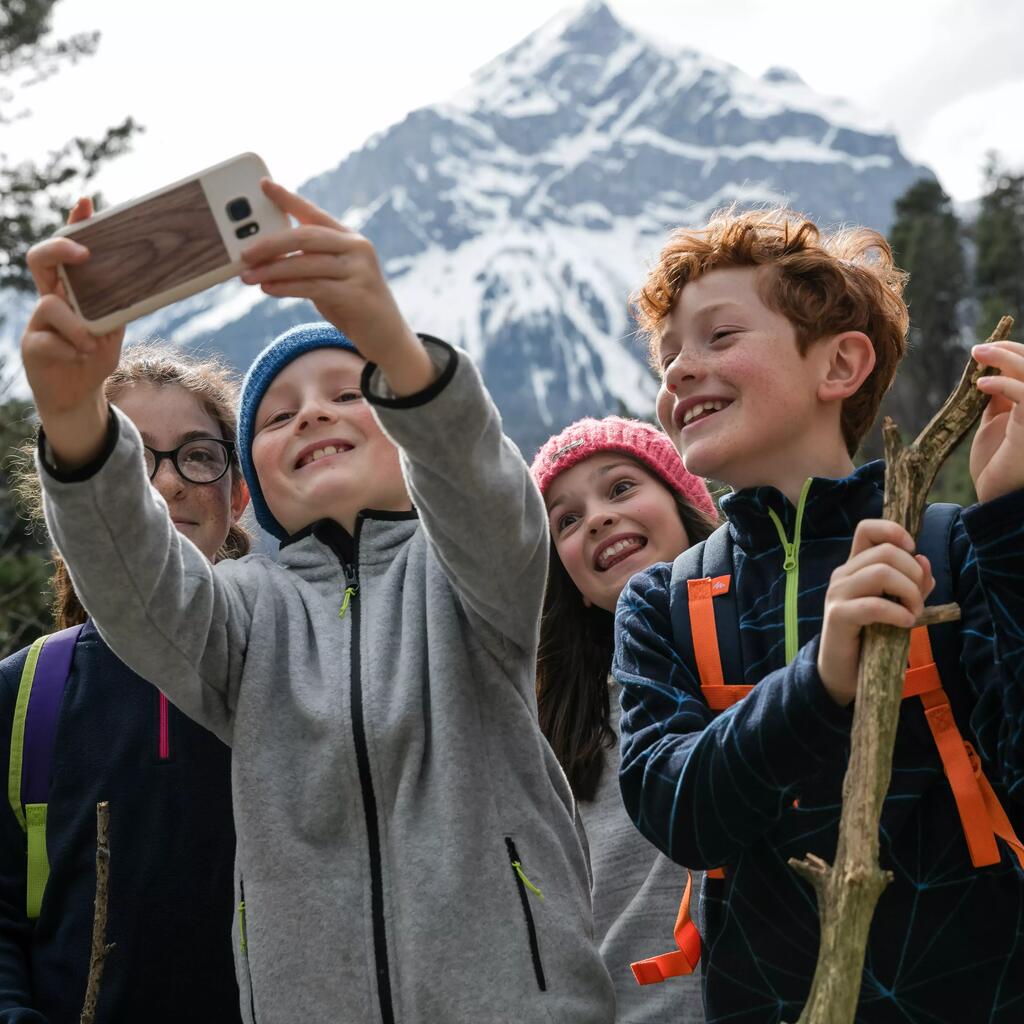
x=936, y=614
x=100, y=949
x=848, y=892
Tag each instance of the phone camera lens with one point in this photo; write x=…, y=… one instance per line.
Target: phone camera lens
x=247, y=229
x=239, y=209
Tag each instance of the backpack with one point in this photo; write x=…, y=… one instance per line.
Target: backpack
x=705, y=630
x=33, y=735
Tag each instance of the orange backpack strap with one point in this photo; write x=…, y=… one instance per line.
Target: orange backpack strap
x=681, y=961
x=704, y=634
x=703, y=637
x=982, y=816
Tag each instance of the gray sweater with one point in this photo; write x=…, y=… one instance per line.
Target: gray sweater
x=636, y=893
x=387, y=766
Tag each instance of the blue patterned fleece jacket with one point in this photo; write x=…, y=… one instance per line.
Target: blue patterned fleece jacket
x=752, y=786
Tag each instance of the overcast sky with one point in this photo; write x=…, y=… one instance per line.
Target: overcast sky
x=304, y=82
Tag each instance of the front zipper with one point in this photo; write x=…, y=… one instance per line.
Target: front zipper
x=380, y=943
x=522, y=884
x=351, y=588
x=791, y=565
x=243, y=945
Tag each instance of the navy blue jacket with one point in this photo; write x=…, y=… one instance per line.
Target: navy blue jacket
x=171, y=858
x=750, y=787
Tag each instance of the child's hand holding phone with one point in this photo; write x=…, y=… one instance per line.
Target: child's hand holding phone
x=338, y=271
x=67, y=355
x=98, y=273
x=65, y=364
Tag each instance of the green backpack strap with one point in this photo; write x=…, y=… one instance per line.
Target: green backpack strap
x=33, y=735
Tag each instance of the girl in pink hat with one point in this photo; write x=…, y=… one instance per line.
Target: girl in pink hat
x=618, y=500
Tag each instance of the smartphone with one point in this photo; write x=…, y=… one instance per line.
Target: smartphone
x=169, y=244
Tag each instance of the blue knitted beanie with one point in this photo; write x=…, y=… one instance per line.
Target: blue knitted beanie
x=266, y=366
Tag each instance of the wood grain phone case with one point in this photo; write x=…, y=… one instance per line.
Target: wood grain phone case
x=172, y=243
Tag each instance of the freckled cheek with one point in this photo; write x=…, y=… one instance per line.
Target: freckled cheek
x=215, y=505
x=746, y=373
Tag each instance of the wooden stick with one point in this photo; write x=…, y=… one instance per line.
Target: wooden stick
x=936, y=614
x=100, y=949
x=848, y=892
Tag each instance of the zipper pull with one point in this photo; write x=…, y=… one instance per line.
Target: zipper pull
x=790, y=561
x=351, y=589
x=788, y=549
x=522, y=877
x=243, y=944
x=350, y=592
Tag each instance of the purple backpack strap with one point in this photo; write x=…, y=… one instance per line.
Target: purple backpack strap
x=51, y=676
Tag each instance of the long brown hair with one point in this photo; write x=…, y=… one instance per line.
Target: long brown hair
x=155, y=363
x=573, y=662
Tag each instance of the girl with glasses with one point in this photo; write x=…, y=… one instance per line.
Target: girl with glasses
x=199, y=460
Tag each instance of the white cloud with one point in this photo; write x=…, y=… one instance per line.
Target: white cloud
x=306, y=82
x=956, y=137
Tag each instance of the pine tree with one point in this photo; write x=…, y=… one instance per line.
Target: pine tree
x=24, y=568
x=35, y=197
x=999, y=237
x=927, y=242
x=34, y=200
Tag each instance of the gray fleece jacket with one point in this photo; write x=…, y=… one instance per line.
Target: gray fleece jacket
x=393, y=794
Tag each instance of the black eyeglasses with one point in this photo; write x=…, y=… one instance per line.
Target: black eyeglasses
x=203, y=460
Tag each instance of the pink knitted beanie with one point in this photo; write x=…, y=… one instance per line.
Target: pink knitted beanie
x=649, y=445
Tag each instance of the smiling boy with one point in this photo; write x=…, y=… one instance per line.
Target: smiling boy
x=406, y=845
x=775, y=346
x=336, y=462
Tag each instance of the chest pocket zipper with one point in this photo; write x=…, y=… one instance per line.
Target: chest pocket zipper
x=522, y=885
x=243, y=946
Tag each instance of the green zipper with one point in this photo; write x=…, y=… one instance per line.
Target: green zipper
x=791, y=565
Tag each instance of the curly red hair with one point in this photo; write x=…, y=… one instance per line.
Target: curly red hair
x=822, y=284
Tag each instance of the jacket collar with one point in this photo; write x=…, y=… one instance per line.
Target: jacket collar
x=377, y=537
x=329, y=532
x=832, y=507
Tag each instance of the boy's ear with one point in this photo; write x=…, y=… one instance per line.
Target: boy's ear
x=851, y=358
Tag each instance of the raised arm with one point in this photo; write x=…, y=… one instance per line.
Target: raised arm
x=473, y=491
x=996, y=533
x=481, y=511
x=154, y=597
x=151, y=593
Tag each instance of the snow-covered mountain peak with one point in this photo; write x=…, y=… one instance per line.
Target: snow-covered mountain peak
x=516, y=218
x=776, y=73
